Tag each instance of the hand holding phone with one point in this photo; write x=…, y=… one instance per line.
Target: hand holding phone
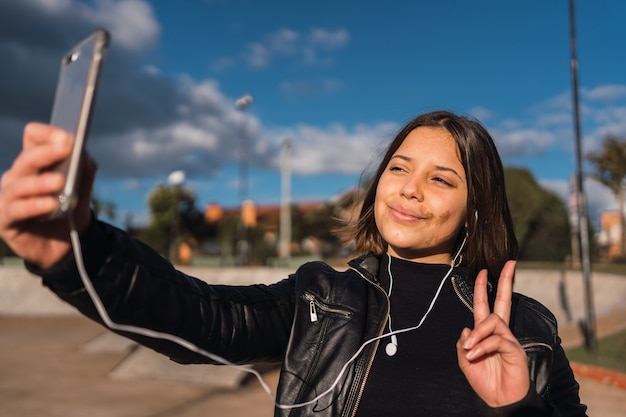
x=28, y=193
x=72, y=109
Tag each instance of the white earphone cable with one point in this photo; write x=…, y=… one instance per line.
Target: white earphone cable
x=104, y=315
x=76, y=246
x=392, y=347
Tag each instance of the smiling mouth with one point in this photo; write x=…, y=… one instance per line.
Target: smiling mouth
x=405, y=215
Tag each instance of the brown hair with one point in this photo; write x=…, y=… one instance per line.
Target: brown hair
x=490, y=235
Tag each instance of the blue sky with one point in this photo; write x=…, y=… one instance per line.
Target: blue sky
x=335, y=78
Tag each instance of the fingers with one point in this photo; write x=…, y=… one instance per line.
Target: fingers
x=504, y=294
x=40, y=152
x=481, y=302
x=37, y=134
x=486, y=323
x=30, y=196
x=490, y=336
x=28, y=189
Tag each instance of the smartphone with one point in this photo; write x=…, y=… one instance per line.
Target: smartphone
x=72, y=108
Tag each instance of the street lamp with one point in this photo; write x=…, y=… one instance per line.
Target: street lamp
x=589, y=326
x=242, y=104
x=175, y=180
x=285, y=202
x=243, y=245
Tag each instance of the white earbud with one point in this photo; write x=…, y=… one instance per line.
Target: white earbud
x=392, y=347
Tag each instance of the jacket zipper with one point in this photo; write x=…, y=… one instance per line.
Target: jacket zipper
x=315, y=304
x=460, y=296
x=371, y=359
x=534, y=344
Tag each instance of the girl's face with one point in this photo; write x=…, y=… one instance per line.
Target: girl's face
x=421, y=198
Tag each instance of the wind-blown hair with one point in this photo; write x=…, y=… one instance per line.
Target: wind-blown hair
x=491, y=239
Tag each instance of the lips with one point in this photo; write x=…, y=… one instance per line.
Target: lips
x=406, y=215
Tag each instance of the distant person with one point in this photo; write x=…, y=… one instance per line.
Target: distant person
x=424, y=323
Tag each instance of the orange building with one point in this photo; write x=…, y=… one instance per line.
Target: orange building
x=610, y=238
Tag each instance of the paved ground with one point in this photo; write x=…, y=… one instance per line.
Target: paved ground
x=47, y=371
x=58, y=364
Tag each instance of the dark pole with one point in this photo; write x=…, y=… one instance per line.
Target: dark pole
x=589, y=327
x=243, y=241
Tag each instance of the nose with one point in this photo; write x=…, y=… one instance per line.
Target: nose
x=412, y=189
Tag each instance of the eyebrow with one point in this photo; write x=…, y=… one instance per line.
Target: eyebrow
x=437, y=167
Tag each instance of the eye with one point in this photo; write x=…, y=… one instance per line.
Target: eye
x=442, y=181
x=396, y=168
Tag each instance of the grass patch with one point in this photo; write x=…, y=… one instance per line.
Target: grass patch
x=611, y=353
x=608, y=268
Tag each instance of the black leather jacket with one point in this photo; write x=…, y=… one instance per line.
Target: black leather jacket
x=312, y=321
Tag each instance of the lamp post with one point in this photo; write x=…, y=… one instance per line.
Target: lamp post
x=175, y=180
x=284, y=251
x=243, y=245
x=589, y=326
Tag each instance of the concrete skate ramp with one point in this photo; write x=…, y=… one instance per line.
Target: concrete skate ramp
x=22, y=294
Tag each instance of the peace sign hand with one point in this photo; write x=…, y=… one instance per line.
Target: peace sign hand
x=491, y=358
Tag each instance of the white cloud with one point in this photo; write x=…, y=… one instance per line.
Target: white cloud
x=555, y=119
x=203, y=93
x=549, y=125
x=335, y=148
x=483, y=114
x=222, y=64
x=610, y=92
x=257, y=55
x=284, y=41
x=314, y=49
x=152, y=70
x=307, y=88
x=562, y=101
x=608, y=121
x=53, y=6
x=132, y=22
x=523, y=141
x=329, y=39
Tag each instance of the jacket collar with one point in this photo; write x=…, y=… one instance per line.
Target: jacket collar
x=368, y=264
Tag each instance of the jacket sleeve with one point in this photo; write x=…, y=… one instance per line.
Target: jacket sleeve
x=536, y=329
x=562, y=391
x=138, y=287
x=531, y=405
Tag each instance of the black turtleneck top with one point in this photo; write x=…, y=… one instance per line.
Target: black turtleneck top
x=423, y=378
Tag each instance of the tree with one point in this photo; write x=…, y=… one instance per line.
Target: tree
x=610, y=165
x=539, y=216
x=171, y=207
x=525, y=200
